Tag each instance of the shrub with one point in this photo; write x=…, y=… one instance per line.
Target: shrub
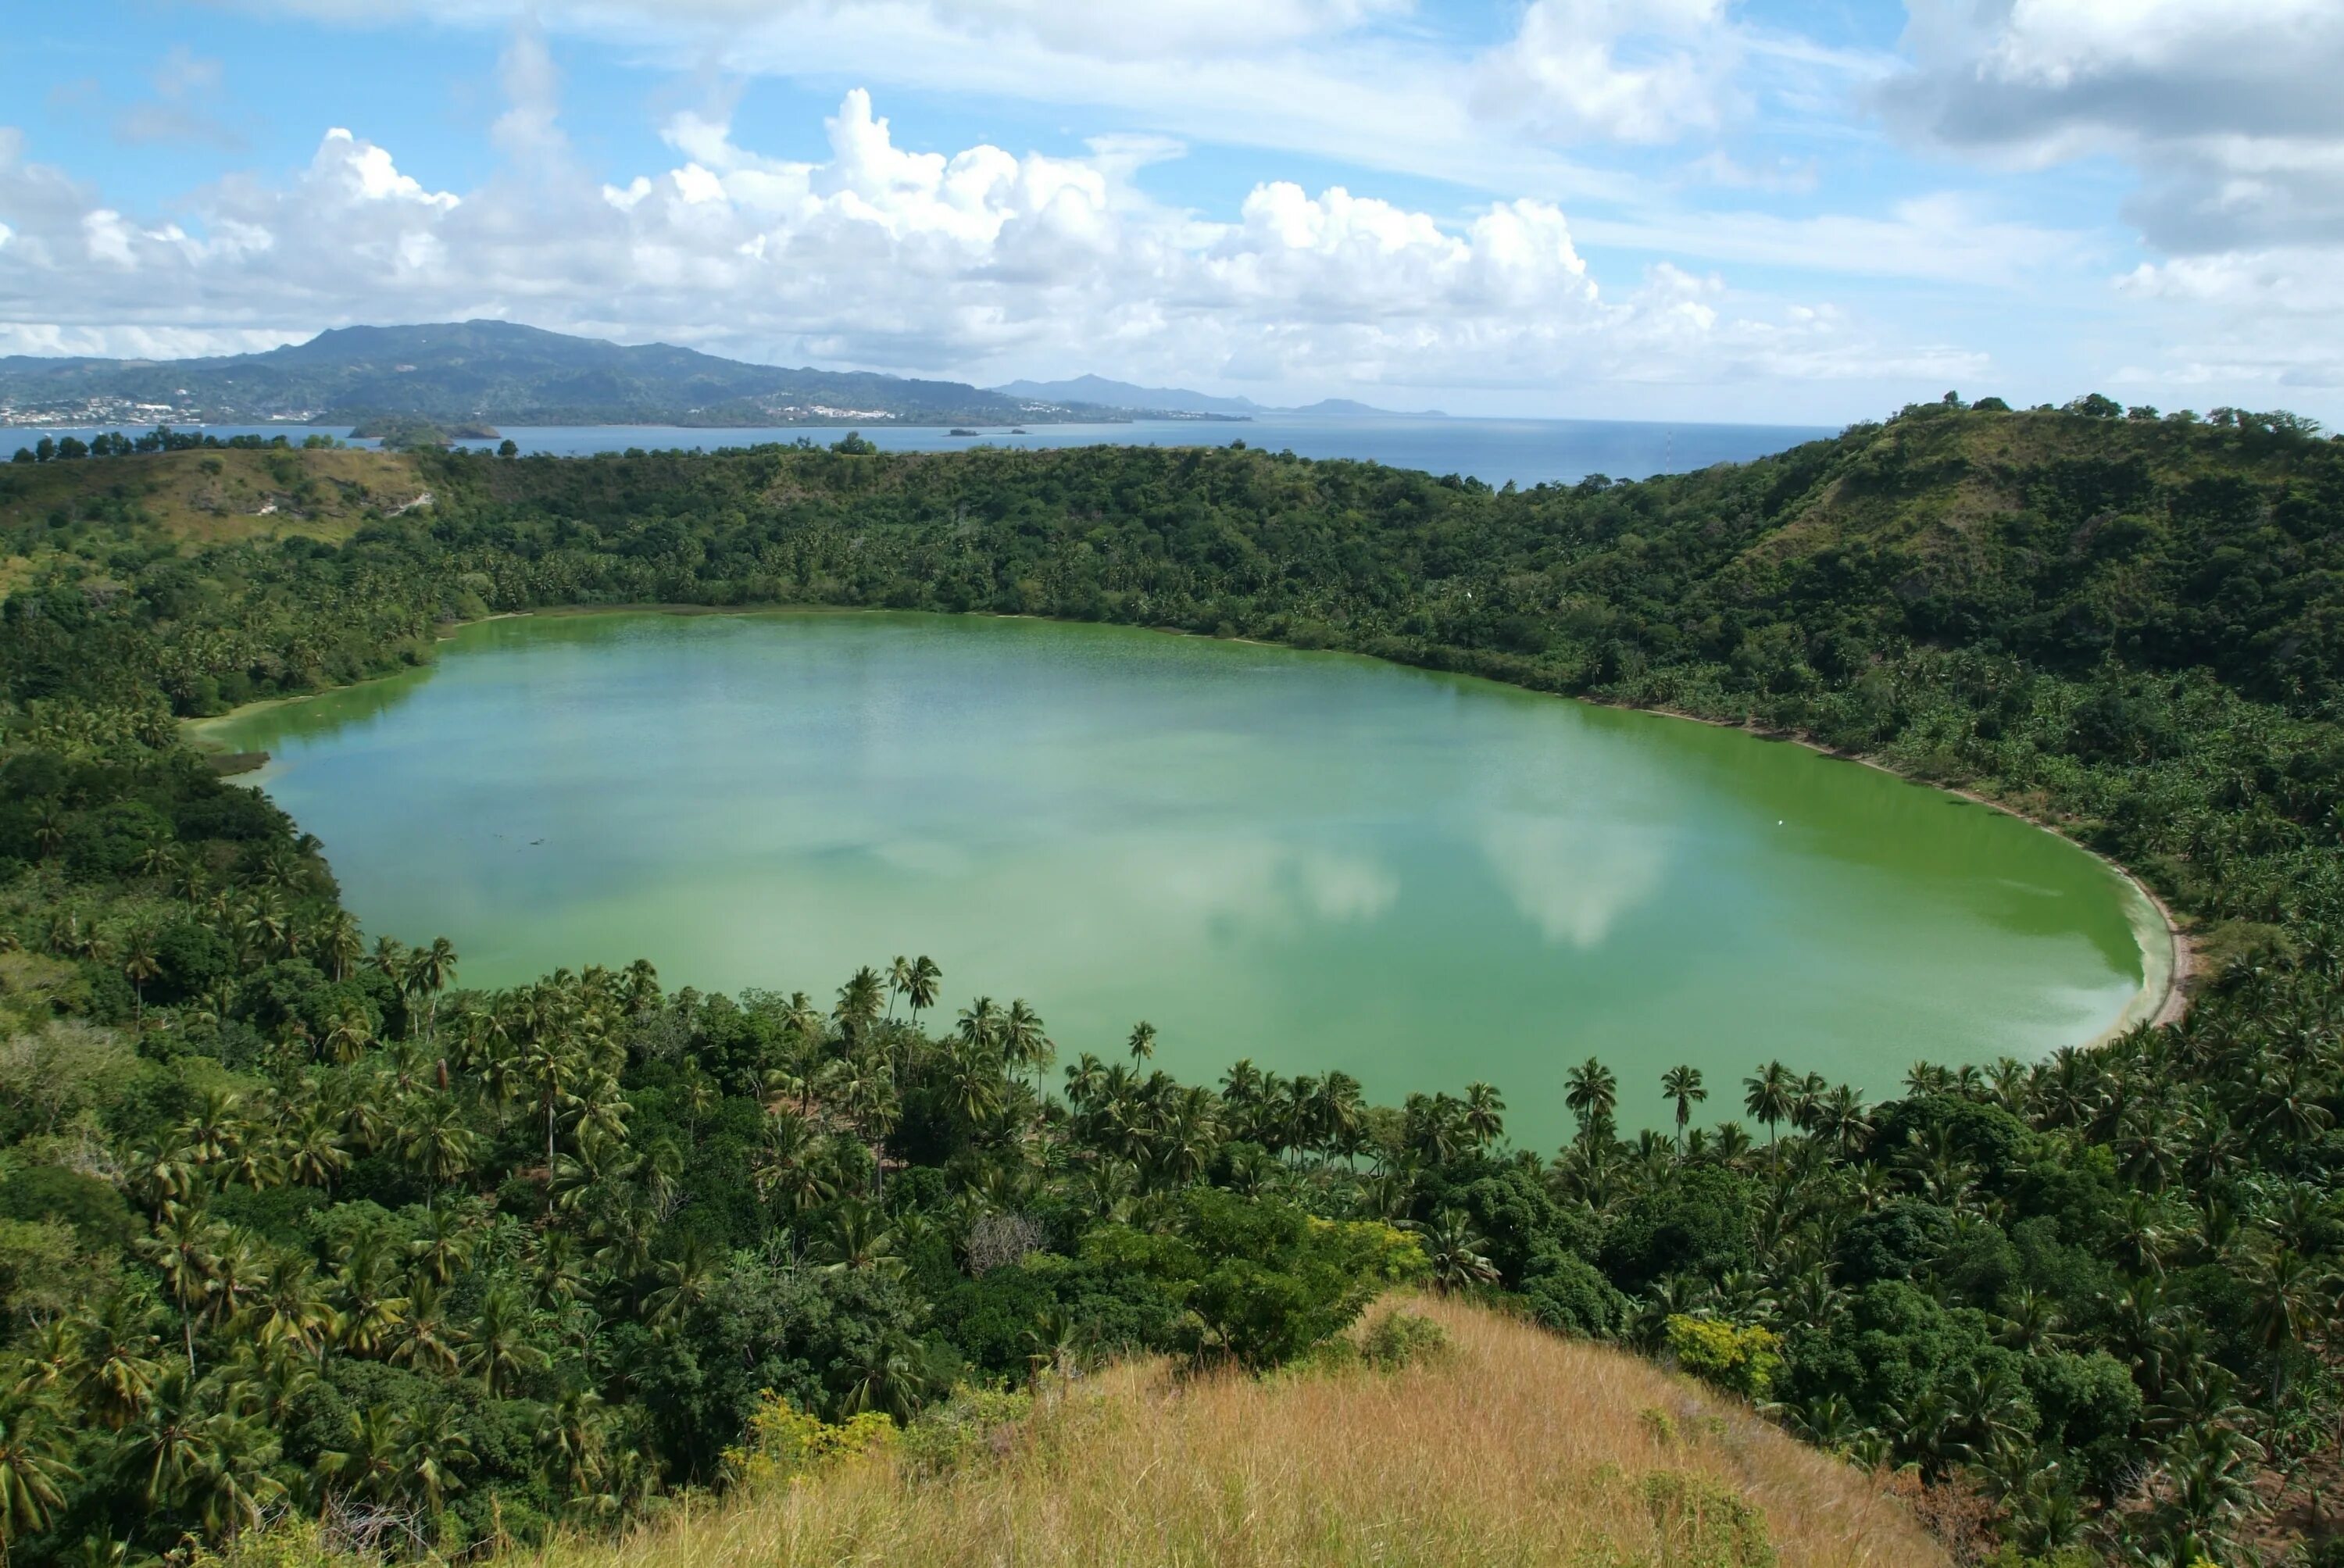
x=1398, y=1338
x=971, y=1423
x=784, y=1443
x=1743, y=1361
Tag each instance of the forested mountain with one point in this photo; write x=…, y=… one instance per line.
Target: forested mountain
x=495, y=372
x=296, y=1226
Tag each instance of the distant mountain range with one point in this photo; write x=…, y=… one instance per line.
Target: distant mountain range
x=1099, y=391
x=501, y=373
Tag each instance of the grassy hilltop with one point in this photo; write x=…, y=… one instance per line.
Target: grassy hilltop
x=1505, y=1446
x=292, y=1225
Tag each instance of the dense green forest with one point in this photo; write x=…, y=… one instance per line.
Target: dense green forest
x=289, y=1219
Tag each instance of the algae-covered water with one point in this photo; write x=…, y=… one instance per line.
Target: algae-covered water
x=1312, y=860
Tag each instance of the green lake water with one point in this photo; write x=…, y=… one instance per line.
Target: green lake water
x=1313, y=860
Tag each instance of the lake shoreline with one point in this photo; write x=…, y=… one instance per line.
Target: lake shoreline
x=2171, y=979
x=2181, y=966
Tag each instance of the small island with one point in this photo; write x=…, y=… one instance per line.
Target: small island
x=407, y=432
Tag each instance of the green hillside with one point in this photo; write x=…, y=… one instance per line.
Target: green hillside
x=294, y=1224
x=499, y=372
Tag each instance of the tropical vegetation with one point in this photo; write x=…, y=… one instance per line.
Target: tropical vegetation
x=293, y=1223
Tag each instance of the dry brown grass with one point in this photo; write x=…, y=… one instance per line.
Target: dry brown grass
x=211, y=497
x=1515, y=1448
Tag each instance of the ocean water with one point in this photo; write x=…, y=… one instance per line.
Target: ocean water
x=1497, y=451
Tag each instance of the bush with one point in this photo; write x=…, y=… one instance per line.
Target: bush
x=972, y=1422
x=1259, y=1280
x=1567, y=1294
x=1741, y=1360
x=1400, y=1339
x=783, y=1442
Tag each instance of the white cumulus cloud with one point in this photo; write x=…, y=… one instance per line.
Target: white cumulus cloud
x=2228, y=114
x=979, y=262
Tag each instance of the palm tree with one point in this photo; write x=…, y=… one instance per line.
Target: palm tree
x=888, y=1377
x=899, y=981
x=433, y=1450
x=289, y=1307
x=684, y=1282
x=1768, y=1098
x=444, y=1242
x=184, y=1248
x=1682, y=1084
x=431, y=1343
x=550, y=1065
x=858, y=1239
x=1024, y=1044
x=348, y=1036
x=1143, y=1041
x=115, y=1355
x=432, y=1137
x=499, y=1347
x=167, y=1439
x=1592, y=1092
x=569, y=1435
x=2283, y=1309
x=1457, y=1252
x=339, y=942
x=1484, y=1112
x=859, y=1002
x=920, y=987
x=428, y=974
x=369, y=1309
x=140, y=963
x=369, y=1464
x=33, y=1469
x=789, y=1167
x=230, y=1486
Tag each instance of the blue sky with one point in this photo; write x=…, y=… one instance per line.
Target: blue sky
x=1681, y=208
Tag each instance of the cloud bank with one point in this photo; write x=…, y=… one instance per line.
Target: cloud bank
x=977, y=261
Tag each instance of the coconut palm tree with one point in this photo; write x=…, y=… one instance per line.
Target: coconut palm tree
x=1484, y=1112
x=433, y=1453
x=140, y=963
x=33, y=1471
x=858, y=1238
x=185, y=1250
x=369, y=1309
x=1142, y=1043
x=920, y=987
x=860, y=1001
x=498, y=1349
x=887, y=1377
x=685, y=1281
x=430, y=1135
x=1767, y=1097
x=338, y=942
x=428, y=973
x=1457, y=1252
x=1682, y=1084
x=430, y=1340
x=369, y=1464
x=1025, y=1044
x=289, y=1306
x=1590, y=1093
